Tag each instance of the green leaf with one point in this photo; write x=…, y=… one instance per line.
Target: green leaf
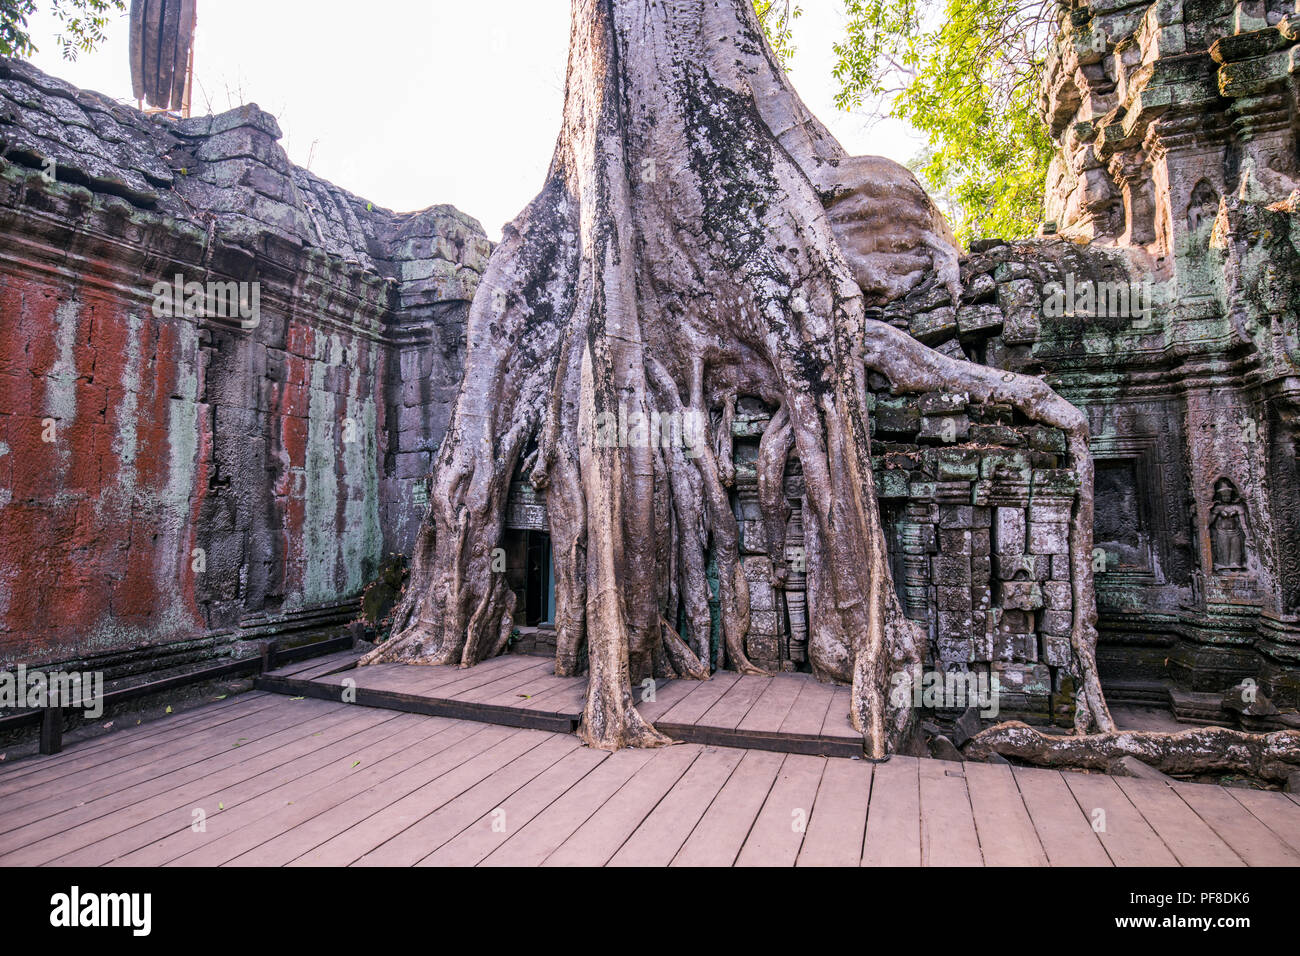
x=965, y=74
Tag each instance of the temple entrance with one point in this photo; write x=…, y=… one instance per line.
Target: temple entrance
x=539, y=580
x=530, y=572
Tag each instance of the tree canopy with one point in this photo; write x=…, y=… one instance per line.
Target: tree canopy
x=82, y=22
x=966, y=75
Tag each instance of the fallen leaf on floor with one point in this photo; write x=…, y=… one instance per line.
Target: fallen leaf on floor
x=357, y=764
x=169, y=708
x=297, y=698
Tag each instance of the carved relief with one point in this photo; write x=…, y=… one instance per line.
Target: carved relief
x=1228, y=544
x=1203, y=206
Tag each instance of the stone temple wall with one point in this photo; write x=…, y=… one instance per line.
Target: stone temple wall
x=1178, y=133
x=172, y=484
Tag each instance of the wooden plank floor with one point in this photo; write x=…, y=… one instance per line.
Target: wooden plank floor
x=269, y=780
x=788, y=713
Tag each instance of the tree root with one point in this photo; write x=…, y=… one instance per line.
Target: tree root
x=1272, y=756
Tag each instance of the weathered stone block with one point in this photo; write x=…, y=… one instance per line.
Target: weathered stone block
x=1022, y=595
x=1049, y=537
x=892, y=484
x=958, y=465
x=934, y=326
x=762, y=647
x=897, y=414
x=1030, y=567
x=955, y=516
x=950, y=569
x=1057, y=595
x=1020, y=302
x=758, y=572
x=1056, y=650
x=1057, y=623
x=954, y=598
x=1009, y=531
x=955, y=541
x=944, y=428
x=978, y=318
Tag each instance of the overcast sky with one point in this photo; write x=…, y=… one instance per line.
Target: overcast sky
x=409, y=103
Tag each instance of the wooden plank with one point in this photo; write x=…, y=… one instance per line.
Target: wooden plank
x=58, y=811
x=606, y=830
x=837, y=725
x=663, y=832
x=136, y=47
x=667, y=695
x=443, y=824
x=1187, y=836
x=540, y=836
x=330, y=664
x=718, y=837
x=294, y=661
x=948, y=835
x=261, y=817
x=29, y=771
x=1006, y=833
x=838, y=825
x=707, y=693
x=175, y=800
x=773, y=705
x=732, y=706
x=14, y=773
x=1274, y=810
x=808, y=713
x=894, y=814
x=348, y=831
x=1063, y=829
x=1236, y=826
x=535, y=718
x=567, y=699
x=530, y=686
x=1128, y=839
x=90, y=817
x=507, y=686
x=166, y=814
x=490, y=831
x=777, y=834
x=485, y=673
x=32, y=804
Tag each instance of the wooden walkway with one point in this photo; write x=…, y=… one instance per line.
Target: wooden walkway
x=788, y=713
x=264, y=779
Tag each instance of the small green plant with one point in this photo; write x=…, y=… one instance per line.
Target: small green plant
x=381, y=595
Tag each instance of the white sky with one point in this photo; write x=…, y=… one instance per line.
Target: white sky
x=409, y=103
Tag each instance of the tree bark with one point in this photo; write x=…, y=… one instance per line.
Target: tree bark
x=1273, y=756
x=680, y=255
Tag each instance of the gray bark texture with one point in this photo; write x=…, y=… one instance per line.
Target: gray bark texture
x=700, y=237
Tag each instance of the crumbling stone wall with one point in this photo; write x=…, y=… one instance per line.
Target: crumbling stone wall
x=172, y=483
x=1178, y=135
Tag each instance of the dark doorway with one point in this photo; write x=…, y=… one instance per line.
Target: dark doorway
x=539, y=585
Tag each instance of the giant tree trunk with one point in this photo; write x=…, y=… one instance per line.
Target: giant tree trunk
x=681, y=254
